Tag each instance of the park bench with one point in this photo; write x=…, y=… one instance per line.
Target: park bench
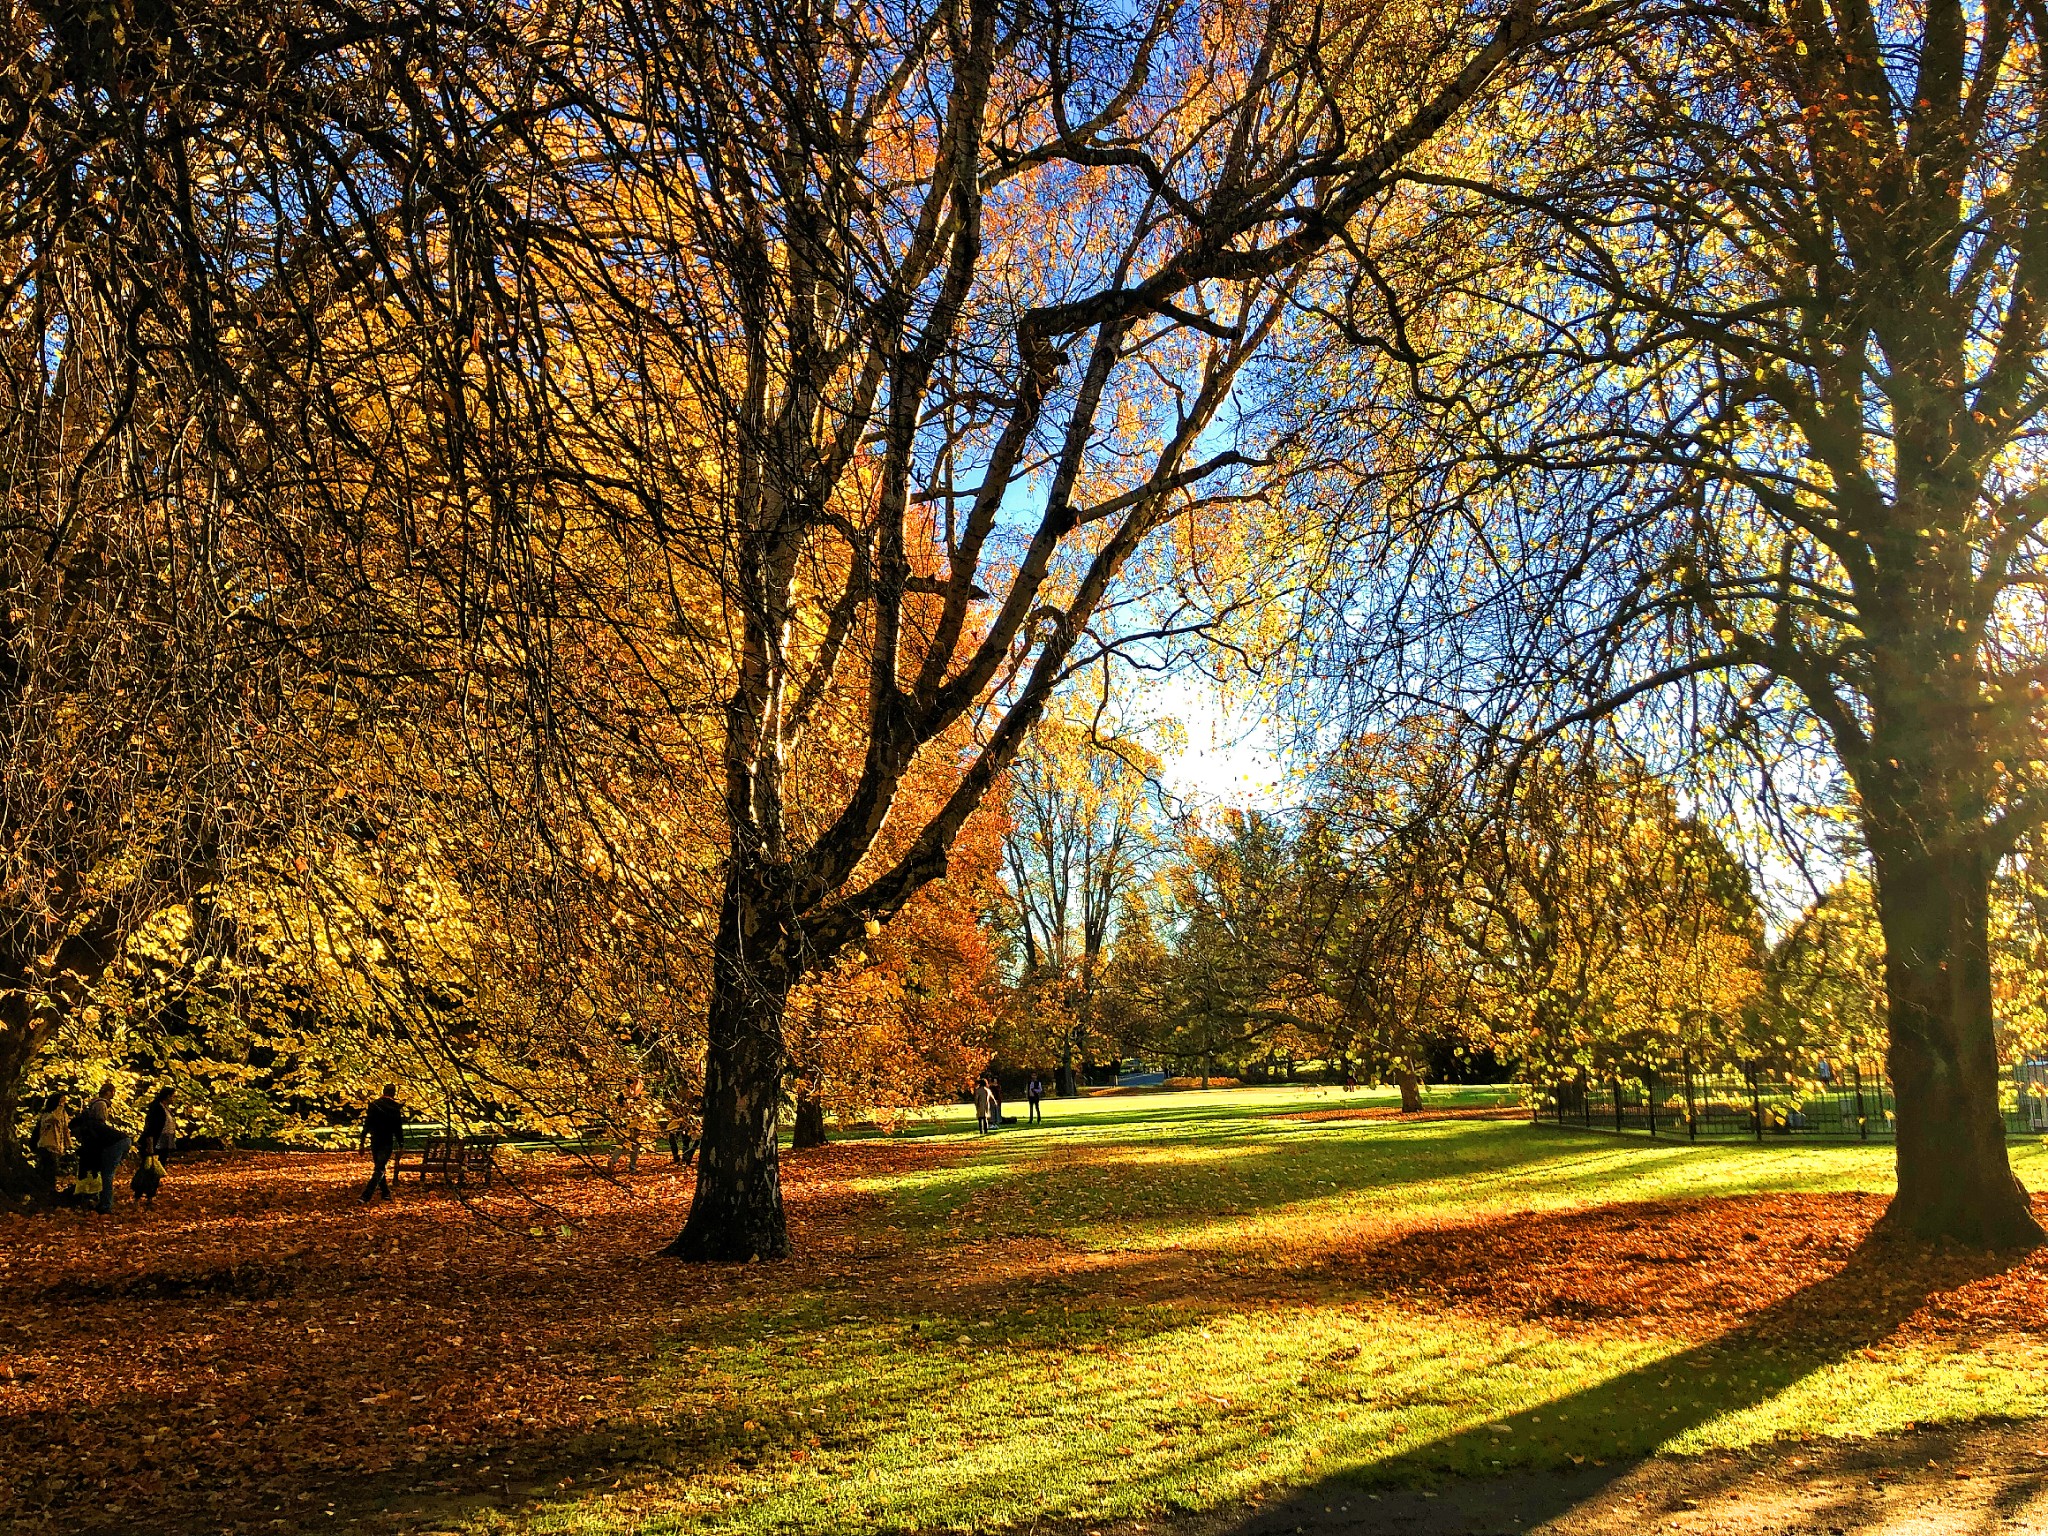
x=457, y=1157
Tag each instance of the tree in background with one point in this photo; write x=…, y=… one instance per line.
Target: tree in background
x=1234, y=909
x=908, y=1017
x=1730, y=425
x=1278, y=938
x=1086, y=817
x=2019, y=952
x=1557, y=908
x=1826, y=978
x=1610, y=931
x=1391, y=836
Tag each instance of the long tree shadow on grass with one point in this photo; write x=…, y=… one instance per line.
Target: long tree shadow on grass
x=1777, y=1308
x=1554, y=1457
x=1820, y=1301
x=1267, y=1169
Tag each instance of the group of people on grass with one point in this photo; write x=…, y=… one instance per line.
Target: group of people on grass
x=988, y=1102
x=79, y=1156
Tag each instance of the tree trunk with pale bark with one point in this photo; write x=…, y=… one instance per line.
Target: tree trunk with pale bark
x=1411, y=1090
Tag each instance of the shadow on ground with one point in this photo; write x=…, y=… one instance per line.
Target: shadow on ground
x=1974, y=1480
x=268, y=1294
x=1602, y=1474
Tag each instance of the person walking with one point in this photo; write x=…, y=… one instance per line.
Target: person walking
x=52, y=1143
x=101, y=1146
x=685, y=1134
x=1032, y=1095
x=981, y=1106
x=384, y=1129
x=626, y=1128
x=159, y=1139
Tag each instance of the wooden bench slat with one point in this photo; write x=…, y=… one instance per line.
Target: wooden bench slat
x=455, y=1156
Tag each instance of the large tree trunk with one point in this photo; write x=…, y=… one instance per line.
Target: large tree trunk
x=20, y=1038
x=1954, y=1177
x=71, y=973
x=1411, y=1090
x=736, y=1213
x=809, y=1130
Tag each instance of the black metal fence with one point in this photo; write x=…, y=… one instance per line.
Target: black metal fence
x=1844, y=1101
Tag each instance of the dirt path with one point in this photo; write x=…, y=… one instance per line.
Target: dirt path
x=1979, y=1479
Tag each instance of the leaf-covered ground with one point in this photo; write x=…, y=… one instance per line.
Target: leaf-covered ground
x=1185, y=1302
x=260, y=1342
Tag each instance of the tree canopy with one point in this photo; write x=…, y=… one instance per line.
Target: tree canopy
x=586, y=553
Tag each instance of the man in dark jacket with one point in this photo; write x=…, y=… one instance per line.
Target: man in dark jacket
x=384, y=1129
x=101, y=1144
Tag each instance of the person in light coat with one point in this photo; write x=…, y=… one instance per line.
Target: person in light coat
x=52, y=1143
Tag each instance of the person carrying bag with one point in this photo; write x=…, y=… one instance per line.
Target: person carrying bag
x=101, y=1146
x=159, y=1136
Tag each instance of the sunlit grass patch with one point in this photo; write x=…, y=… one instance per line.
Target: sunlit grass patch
x=1120, y=1317
x=1096, y=1414
x=1030, y=1422
x=1890, y=1388
x=1254, y=1182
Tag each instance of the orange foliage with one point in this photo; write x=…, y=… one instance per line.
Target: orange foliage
x=906, y=1019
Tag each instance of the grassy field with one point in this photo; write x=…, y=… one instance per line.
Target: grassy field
x=1152, y=1303
x=1169, y=1301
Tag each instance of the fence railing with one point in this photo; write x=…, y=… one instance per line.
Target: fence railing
x=1848, y=1101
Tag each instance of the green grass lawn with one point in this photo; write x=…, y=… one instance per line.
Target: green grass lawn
x=1153, y=1106
x=1154, y=1302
